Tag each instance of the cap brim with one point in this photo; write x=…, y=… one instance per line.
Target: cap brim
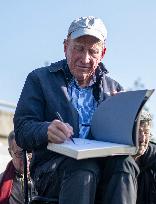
x=83, y=31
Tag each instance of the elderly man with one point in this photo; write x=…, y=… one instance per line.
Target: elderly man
x=11, y=180
x=146, y=160
x=72, y=87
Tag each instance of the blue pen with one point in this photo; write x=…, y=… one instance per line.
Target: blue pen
x=61, y=119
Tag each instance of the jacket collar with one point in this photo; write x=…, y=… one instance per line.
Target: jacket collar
x=60, y=65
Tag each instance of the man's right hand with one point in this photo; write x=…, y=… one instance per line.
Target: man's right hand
x=59, y=131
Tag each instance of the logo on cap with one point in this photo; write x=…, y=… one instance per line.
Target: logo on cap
x=88, y=26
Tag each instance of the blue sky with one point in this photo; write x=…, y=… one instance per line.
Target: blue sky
x=32, y=34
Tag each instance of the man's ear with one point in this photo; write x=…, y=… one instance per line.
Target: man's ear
x=65, y=46
x=103, y=53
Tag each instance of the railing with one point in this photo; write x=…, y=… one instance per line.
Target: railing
x=7, y=105
x=6, y=118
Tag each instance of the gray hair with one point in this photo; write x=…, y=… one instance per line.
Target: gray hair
x=145, y=116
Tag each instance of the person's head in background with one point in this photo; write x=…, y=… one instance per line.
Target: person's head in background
x=144, y=131
x=85, y=47
x=16, y=153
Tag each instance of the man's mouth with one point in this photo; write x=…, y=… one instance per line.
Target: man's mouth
x=83, y=67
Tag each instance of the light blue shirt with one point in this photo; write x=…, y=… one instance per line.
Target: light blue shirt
x=85, y=104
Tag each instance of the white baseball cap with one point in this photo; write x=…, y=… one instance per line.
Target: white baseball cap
x=88, y=26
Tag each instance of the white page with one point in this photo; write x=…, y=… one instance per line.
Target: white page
x=86, y=144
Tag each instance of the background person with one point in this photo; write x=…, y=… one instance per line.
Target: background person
x=73, y=87
x=146, y=160
x=11, y=180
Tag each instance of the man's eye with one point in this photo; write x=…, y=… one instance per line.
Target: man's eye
x=146, y=132
x=94, y=51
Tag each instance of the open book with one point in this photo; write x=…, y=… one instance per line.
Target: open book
x=114, y=127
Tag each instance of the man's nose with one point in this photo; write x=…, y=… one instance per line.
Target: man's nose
x=142, y=137
x=86, y=57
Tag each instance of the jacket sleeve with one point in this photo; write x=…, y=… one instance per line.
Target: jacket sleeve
x=114, y=85
x=29, y=124
x=148, y=159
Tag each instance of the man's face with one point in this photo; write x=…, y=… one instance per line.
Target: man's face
x=83, y=56
x=144, y=136
x=17, y=156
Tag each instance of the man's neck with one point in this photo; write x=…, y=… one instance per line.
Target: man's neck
x=87, y=82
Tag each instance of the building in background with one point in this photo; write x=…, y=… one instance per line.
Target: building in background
x=6, y=126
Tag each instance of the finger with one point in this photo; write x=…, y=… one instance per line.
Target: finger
x=59, y=129
x=54, y=131
x=66, y=129
x=70, y=127
x=59, y=133
x=113, y=92
x=55, y=139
